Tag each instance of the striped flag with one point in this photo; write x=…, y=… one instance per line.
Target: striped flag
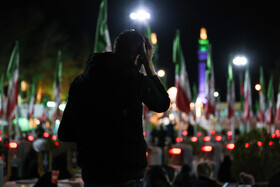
x=13, y=88
x=57, y=86
x=261, y=113
x=247, y=95
x=31, y=101
x=210, y=86
x=1, y=96
x=149, y=35
x=102, y=40
x=230, y=92
x=278, y=105
x=183, y=97
x=270, y=99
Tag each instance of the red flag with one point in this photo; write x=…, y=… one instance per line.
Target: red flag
x=183, y=97
x=210, y=87
x=247, y=95
x=270, y=98
x=13, y=89
x=230, y=92
x=278, y=106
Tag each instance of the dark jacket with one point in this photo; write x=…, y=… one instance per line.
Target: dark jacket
x=103, y=116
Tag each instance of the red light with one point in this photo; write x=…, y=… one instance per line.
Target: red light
x=219, y=138
x=259, y=143
x=56, y=143
x=206, y=148
x=46, y=135
x=144, y=133
x=30, y=138
x=270, y=143
x=212, y=132
x=54, y=137
x=179, y=139
x=185, y=133
x=1, y=157
x=0, y=132
x=273, y=135
x=277, y=135
x=194, y=139
x=229, y=133
x=230, y=146
x=0, y=138
x=247, y=145
x=277, y=131
x=147, y=154
x=12, y=145
x=198, y=134
x=175, y=151
x=207, y=138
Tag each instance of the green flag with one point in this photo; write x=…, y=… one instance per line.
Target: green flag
x=149, y=35
x=270, y=99
x=102, y=40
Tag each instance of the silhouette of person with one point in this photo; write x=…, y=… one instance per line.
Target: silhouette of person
x=103, y=114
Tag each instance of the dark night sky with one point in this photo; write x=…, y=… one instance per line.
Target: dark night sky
x=234, y=27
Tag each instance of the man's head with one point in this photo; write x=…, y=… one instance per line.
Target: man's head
x=128, y=45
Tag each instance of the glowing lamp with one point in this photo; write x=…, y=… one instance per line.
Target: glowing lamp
x=259, y=143
x=0, y=138
x=46, y=135
x=175, y=151
x=206, y=148
x=230, y=146
x=179, y=139
x=273, y=135
x=54, y=137
x=203, y=34
x=258, y=87
x=199, y=134
x=277, y=135
x=154, y=38
x=12, y=145
x=56, y=143
x=144, y=133
x=147, y=154
x=30, y=138
x=194, y=139
x=0, y=132
x=212, y=132
x=229, y=133
x=219, y=138
x=185, y=133
x=277, y=131
x=270, y=143
x=207, y=138
x=247, y=145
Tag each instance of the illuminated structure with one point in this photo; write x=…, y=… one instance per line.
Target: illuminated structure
x=202, y=59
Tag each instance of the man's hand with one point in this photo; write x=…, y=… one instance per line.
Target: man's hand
x=147, y=54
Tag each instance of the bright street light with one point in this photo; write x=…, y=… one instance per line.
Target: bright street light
x=258, y=87
x=240, y=61
x=161, y=73
x=140, y=15
x=216, y=94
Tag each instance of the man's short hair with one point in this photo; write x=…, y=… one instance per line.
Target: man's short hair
x=128, y=43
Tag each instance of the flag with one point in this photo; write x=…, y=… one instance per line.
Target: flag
x=1, y=96
x=149, y=35
x=31, y=100
x=247, y=95
x=13, y=88
x=183, y=97
x=270, y=99
x=261, y=113
x=102, y=40
x=278, y=105
x=57, y=85
x=230, y=92
x=210, y=86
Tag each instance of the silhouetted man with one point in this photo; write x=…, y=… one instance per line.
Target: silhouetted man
x=104, y=112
